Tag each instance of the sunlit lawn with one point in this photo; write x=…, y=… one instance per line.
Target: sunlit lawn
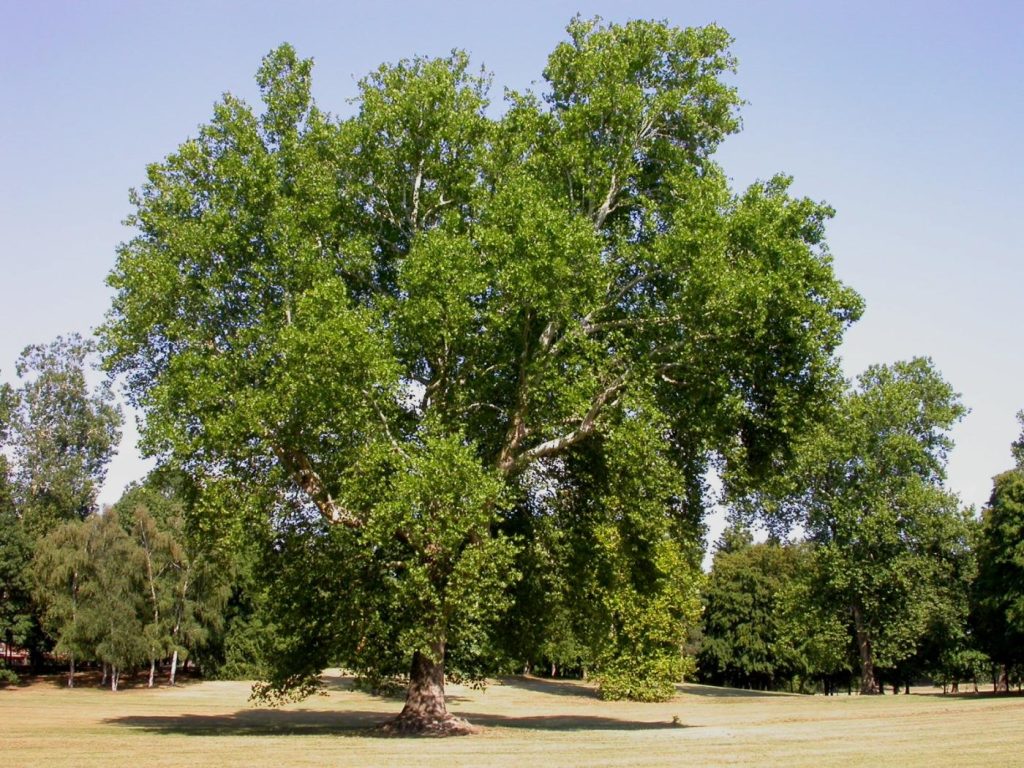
x=525, y=722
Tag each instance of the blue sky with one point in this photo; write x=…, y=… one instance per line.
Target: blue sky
x=905, y=116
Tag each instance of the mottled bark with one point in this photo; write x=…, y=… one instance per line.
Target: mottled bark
x=174, y=666
x=152, y=672
x=868, y=677
x=425, y=710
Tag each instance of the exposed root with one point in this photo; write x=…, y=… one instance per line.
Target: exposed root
x=415, y=725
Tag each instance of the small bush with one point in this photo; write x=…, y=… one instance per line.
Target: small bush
x=649, y=679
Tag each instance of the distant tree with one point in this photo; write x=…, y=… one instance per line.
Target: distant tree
x=16, y=614
x=60, y=565
x=64, y=434
x=89, y=580
x=1017, y=447
x=156, y=556
x=742, y=643
x=998, y=598
x=868, y=492
x=814, y=639
x=419, y=313
x=948, y=650
x=17, y=622
x=186, y=583
x=112, y=598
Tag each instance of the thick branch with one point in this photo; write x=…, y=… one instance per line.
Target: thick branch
x=517, y=422
x=588, y=319
x=416, y=184
x=298, y=465
x=384, y=423
x=588, y=424
x=609, y=202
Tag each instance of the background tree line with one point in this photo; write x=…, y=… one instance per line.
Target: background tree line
x=888, y=580
x=122, y=587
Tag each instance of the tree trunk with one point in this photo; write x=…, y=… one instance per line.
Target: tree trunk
x=71, y=672
x=103, y=681
x=174, y=666
x=868, y=678
x=152, y=672
x=425, y=710
x=114, y=675
x=1003, y=684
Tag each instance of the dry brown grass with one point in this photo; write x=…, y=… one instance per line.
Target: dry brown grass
x=526, y=722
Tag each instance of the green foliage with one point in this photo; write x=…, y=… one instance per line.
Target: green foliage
x=16, y=611
x=88, y=580
x=63, y=434
x=127, y=586
x=430, y=323
x=186, y=585
x=998, y=596
x=888, y=538
x=1017, y=447
x=744, y=638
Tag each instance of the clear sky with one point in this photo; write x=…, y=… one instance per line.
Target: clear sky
x=905, y=116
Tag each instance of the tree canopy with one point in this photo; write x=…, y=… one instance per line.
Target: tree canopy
x=420, y=326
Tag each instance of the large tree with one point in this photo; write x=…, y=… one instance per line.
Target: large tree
x=418, y=323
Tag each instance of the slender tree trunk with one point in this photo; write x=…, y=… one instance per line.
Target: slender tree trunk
x=114, y=675
x=71, y=672
x=425, y=710
x=106, y=668
x=174, y=666
x=152, y=672
x=868, y=678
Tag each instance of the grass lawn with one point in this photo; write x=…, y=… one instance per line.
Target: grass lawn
x=526, y=722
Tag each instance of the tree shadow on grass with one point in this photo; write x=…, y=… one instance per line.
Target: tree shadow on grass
x=979, y=695
x=259, y=722
x=713, y=691
x=348, y=723
x=552, y=687
x=567, y=722
x=93, y=680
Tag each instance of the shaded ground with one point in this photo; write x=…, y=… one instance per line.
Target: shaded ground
x=524, y=720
